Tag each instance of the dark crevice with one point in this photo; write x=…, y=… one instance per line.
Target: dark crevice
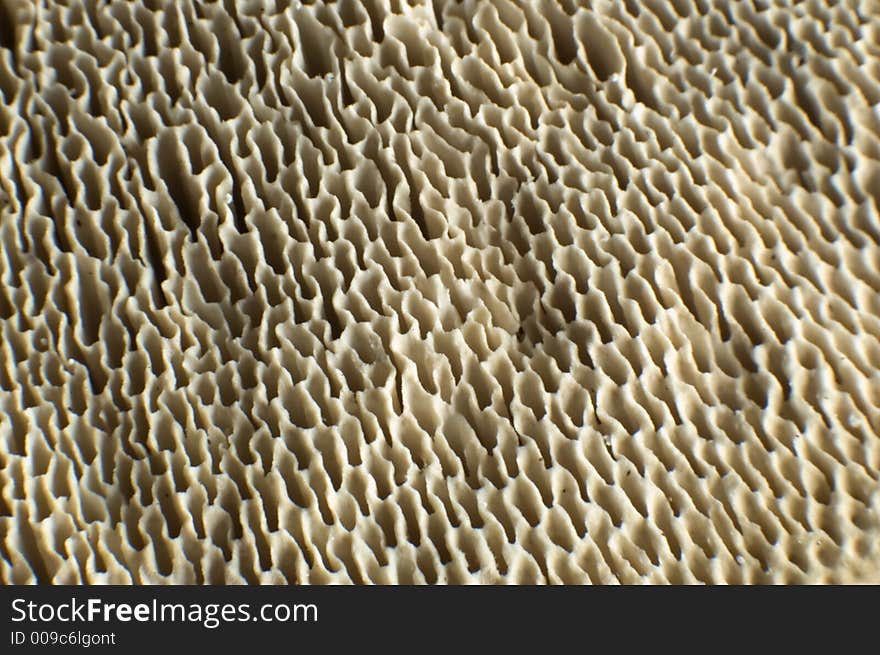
x=154, y=259
x=438, y=13
x=7, y=30
x=332, y=318
x=32, y=552
x=173, y=173
x=375, y=22
x=416, y=212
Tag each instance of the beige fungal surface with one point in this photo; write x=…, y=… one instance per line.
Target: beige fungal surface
x=436, y=291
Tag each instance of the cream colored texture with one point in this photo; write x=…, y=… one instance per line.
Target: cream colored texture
x=431, y=291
